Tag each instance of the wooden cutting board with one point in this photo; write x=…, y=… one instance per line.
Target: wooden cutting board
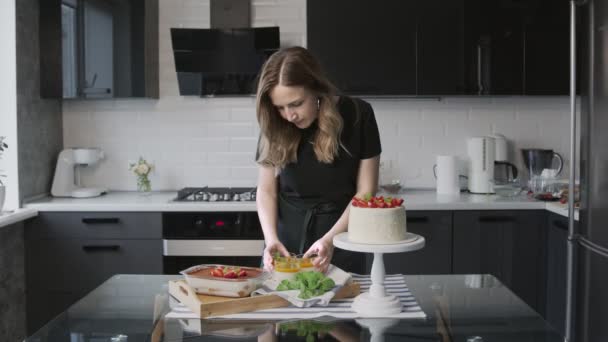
x=208, y=306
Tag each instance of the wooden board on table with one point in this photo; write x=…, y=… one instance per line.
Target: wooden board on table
x=208, y=306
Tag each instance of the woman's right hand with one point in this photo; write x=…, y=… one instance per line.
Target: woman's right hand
x=271, y=248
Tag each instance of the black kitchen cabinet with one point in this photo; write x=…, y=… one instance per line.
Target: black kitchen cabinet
x=440, y=47
x=435, y=257
x=366, y=48
x=494, y=47
x=92, y=49
x=70, y=254
x=506, y=244
x=547, y=48
x=557, y=263
x=515, y=47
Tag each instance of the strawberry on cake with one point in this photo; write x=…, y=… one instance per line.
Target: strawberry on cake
x=377, y=220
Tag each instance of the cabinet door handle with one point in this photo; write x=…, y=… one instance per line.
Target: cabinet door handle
x=560, y=224
x=479, y=71
x=100, y=220
x=418, y=219
x=492, y=218
x=100, y=248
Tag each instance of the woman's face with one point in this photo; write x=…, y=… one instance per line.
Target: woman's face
x=295, y=104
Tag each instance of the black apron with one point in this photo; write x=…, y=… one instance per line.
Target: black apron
x=304, y=221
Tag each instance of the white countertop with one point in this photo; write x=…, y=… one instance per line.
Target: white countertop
x=134, y=202
x=163, y=201
x=561, y=209
x=9, y=217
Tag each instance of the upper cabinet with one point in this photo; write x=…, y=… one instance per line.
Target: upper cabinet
x=96, y=49
x=443, y=47
x=440, y=53
x=547, y=48
x=517, y=47
x=362, y=48
x=495, y=46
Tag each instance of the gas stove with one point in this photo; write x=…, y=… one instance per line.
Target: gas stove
x=207, y=194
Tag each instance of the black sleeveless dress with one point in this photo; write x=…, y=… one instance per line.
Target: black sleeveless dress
x=313, y=195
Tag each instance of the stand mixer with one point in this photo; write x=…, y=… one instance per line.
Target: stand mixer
x=66, y=182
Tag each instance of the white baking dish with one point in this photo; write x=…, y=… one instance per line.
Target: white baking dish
x=200, y=279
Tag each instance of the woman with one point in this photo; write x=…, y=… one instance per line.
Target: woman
x=316, y=151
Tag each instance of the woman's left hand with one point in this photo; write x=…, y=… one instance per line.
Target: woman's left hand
x=324, y=249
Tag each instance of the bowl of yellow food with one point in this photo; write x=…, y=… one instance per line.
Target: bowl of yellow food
x=285, y=267
x=306, y=263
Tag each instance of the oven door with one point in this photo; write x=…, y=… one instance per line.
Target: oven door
x=179, y=255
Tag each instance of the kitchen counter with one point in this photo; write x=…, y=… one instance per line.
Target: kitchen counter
x=7, y=218
x=157, y=201
x=560, y=209
x=163, y=201
x=118, y=201
x=458, y=308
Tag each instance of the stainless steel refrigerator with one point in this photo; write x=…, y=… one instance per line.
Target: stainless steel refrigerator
x=587, y=312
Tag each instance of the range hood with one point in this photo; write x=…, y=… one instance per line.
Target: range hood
x=211, y=62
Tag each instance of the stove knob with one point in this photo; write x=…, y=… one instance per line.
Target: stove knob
x=236, y=197
x=226, y=197
x=205, y=197
x=213, y=198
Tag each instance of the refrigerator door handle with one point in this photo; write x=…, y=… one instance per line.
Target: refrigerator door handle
x=603, y=251
x=571, y=234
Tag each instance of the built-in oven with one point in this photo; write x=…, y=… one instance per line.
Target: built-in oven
x=193, y=238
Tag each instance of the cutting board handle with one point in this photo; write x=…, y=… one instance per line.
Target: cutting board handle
x=187, y=290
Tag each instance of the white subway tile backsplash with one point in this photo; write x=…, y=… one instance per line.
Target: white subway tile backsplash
x=208, y=175
x=245, y=173
x=176, y=151
x=197, y=145
x=388, y=127
x=292, y=39
x=492, y=113
x=182, y=130
x=195, y=141
x=245, y=114
x=247, y=145
x=232, y=159
x=229, y=129
x=459, y=129
x=285, y=11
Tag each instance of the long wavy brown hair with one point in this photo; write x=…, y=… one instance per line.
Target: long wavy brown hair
x=279, y=139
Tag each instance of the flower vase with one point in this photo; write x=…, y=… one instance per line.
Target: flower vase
x=144, y=187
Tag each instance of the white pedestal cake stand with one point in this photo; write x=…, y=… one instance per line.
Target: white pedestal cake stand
x=377, y=302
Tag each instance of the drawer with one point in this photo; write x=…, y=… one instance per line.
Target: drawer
x=80, y=265
x=95, y=225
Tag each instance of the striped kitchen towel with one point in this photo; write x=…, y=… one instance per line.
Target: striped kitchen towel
x=340, y=308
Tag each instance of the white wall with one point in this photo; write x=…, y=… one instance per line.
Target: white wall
x=8, y=101
x=196, y=141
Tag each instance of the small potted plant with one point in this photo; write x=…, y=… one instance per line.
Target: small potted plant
x=3, y=147
x=142, y=169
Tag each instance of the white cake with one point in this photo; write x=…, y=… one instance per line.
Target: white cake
x=376, y=225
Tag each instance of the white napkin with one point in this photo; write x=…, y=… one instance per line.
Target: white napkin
x=336, y=274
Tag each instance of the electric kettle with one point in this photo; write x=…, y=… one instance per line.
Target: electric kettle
x=481, y=151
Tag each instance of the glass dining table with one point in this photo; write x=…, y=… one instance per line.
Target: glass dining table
x=468, y=308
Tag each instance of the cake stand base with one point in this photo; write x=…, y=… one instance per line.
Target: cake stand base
x=377, y=302
x=377, y=327
x=366, y=305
